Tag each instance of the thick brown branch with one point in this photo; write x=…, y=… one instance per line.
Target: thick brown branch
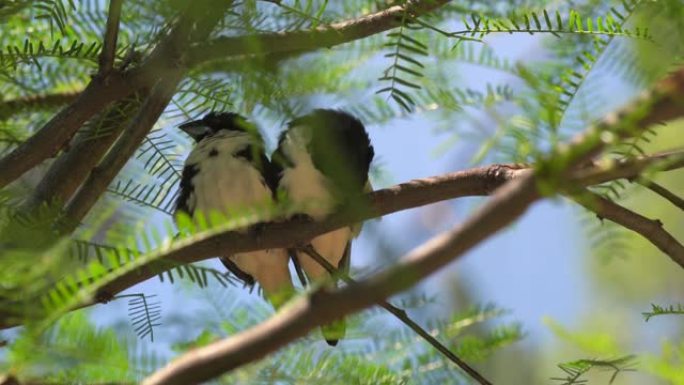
x=103, y=90
x=195, y=25
x=506, y=205
x=69, y=171
x=122, y=151
x=650, y=229
x=323, y=307
x=110, y=37
x=401, y=315
x=478, y=181
x=35, y=103
x=55, y=133
x=321, y=37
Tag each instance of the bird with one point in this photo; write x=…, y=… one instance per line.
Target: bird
x=321, y=164
x=227, y=171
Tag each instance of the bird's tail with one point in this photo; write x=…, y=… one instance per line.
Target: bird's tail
x=334, y=332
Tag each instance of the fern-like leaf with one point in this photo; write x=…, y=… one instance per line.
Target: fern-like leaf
x=144, y=314
x=657, y=310
x=576, y=369
x=405, y=67
x=156, y=196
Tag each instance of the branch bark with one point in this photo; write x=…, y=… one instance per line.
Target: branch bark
x=69, y=171
x=308, y=40
x=663, y=192
x=36, y=102
x=55, y=133
x=110, y=37
x=322, y=307
x=105, y=89
x=650, y=229
x=401, y=315
x=122, y=151
x=194, y=25
x=479, y=181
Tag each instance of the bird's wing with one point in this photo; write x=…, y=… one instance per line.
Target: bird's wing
x=247, y=279
x=298, y=267
x=183, y=203
x=345, y=262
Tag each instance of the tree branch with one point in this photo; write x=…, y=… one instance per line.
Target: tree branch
x=272, y=46
x=103, y=90
x=401, y=315
x=195, y=25
x=110, y=37
x=479, y=181
x=55, y=133
x=308, y=40
x=122, y=151
x=69, y=171
x=8, y=379
x=604, y=171
x=35, y=102
x=322, y=307
x=650, y=229
x=662, y=191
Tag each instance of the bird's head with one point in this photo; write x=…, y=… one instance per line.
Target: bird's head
x=337, y=143
x=214, y=123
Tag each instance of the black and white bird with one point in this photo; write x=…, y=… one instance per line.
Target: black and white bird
x=228, y=172
x=322, y=162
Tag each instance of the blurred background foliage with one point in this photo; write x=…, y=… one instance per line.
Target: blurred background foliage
x=440, y=93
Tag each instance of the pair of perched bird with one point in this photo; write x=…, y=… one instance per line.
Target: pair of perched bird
x=322, y=161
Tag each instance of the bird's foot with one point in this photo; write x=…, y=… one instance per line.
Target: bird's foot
x=301, y=217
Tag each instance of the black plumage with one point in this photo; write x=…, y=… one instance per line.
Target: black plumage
x=322, y=163
x=228, y=171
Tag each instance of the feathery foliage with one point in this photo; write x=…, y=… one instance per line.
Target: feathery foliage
x=657, y=310
x=576, y=369
x=522, y=107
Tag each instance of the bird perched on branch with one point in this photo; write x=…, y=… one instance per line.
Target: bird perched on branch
x=228, y=173
x=322, y=163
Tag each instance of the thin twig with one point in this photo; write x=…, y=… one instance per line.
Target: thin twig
x=650, y=229
x=662, y=191
x=629, y=168
x=110, y=37
x=402, y=316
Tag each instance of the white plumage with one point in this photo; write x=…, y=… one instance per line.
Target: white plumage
x=323, y=160
x=310, y=192
x=223, y=181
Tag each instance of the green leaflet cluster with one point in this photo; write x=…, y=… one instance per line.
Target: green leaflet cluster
x=576, y=369
x=405, y=67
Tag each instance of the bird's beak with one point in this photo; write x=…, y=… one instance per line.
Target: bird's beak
x=197, y=129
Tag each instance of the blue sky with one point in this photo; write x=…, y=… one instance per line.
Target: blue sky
x=534, y=268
